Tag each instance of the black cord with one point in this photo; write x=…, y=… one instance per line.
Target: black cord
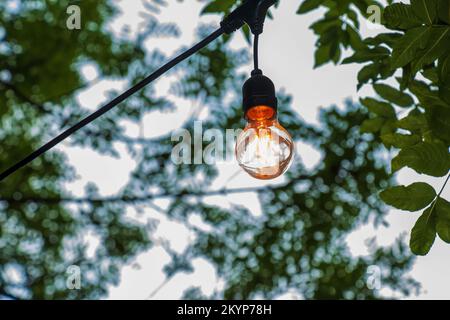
x=255, y=51
x=49, y=145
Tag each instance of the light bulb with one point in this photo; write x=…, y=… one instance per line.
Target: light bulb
x=264, y=149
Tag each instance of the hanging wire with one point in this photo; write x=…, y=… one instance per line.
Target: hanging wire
x=64, y=135
x=255, y=51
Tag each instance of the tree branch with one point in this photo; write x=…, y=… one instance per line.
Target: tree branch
x=162, y=285
x=438, y=195
x=132, y=199
x=443, y=186
x=149, y=197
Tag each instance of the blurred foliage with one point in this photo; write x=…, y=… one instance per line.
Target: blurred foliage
x=39, y=62
x=298, y=243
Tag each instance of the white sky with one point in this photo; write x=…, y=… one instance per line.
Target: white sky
x=287, y=56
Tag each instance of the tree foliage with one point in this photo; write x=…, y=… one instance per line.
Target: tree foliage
x=38, y=81
x=299, y=240
x=418, y=44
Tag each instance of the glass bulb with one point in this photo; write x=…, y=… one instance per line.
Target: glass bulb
x=264, y=149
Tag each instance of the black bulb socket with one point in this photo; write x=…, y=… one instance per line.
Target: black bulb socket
x=259, y=90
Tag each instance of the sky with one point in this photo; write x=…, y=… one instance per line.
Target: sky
x=287, y=57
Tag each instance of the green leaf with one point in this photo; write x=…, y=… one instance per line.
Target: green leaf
x=444, y=68
x=372, y=125
x=354, y=39
x=309, y=5
x=431, y=74
x=442, y=209
x=388, y=38
x=444, y=92
x=369, y=72
x=393, y=95
x=444, y=78
x=247, y=33
x=365, y=55
x=218, y=6
x=322, y=56
x=414, y=122
x=443, y=229
x=426, y=10
x=439, y=122
x=389, y=127
x=354, y=17
x=400, y=16
x=411, y=198
x=405, y=49
x=323, y=25
x=427, y=97
x=386, y=70
x=430, y=158
x=439, y=38
x=379, y=108
x=335, y=51
x=444, y=10
x=400, y=141
x=423, y=233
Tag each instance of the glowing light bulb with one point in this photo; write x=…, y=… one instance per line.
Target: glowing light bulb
x=264, y=149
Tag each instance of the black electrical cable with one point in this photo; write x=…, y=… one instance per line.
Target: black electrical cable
x=49, y=145
x=252, y=12
x=255, y=51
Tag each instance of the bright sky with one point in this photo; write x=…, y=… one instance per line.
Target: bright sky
x=286, y=55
